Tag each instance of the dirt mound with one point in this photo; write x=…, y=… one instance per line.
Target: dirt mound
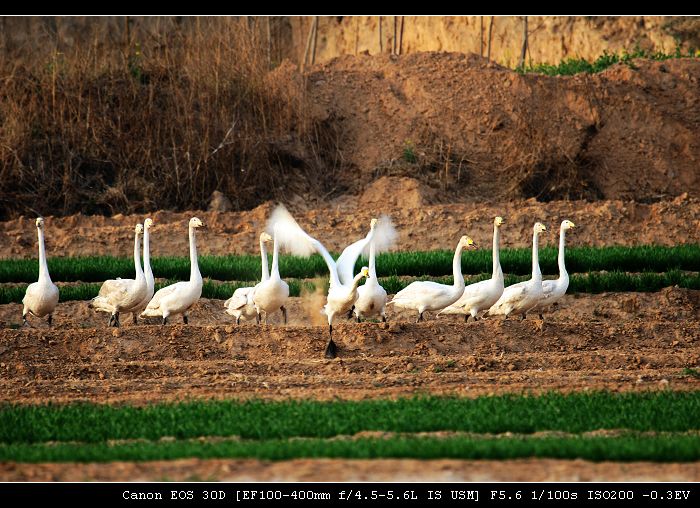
x=464, y=124
x=390, y=192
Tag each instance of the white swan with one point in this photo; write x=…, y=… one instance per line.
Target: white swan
x=241, y=305
x=41, y=297
x=179, y=297
x=427, y=295
x=123, y=295
x=148, y=272
x=523, y=296
x=342, y=292
x=482, y=295
x=371, y=296
x=553, y=290
x=270, y=295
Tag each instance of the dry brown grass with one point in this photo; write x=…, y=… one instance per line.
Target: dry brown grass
x=129, y=125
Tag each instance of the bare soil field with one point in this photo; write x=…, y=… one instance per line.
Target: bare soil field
x=421, y=224
x=612, y=341
x=378, y=470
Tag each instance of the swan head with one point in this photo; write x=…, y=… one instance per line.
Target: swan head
x=539, y=228
x=148, y=223
x=197, y=223
x=498, y=221
x=40, y=222
x=467, y=243
x=138, y=229
x=364, y=272
x=373, y=223
x=265, y=237
x=567, y=224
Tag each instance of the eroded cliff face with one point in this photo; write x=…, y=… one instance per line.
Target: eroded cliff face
x=551, y=38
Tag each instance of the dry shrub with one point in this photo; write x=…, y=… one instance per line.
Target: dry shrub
x=157, y=123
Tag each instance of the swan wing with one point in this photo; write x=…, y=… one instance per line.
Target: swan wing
x=116, y=290
x=348, y=258
x=163, y=293
x=239, y=298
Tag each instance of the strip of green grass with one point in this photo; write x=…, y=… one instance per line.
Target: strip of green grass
x=434, y=263
x=570, y=66
x=578, y=283
x=255, y=419
x=664, y=448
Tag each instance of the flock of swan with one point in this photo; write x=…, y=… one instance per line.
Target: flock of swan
x=345, y=296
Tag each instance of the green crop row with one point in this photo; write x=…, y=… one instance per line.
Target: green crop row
x=578, y=283
x=434, y=263
x=570, y=66
x=627, y=448
x=256, y=419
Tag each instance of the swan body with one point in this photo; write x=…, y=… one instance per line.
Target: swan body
x=371, y=296
x=342, y=291
x=147, y=271
x=427, y=295
x=270, y=295
x=554, y=290
x=41, y=297
x=123, y=295
x=241, y=304
x=523, y=296
x=481, y=295
x=178, y=298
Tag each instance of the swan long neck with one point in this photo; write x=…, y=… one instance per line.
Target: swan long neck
x=457, y=267
x=497, y=270
x=147, y=254
x=263, y=259
x=560, y=258
x=275, y=272
x=536, y=273
x=137, y=257
x=194, y=266
x=356, y=282
x=372, y=264
x=43, y=266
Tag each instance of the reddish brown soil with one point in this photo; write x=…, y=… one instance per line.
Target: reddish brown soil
x=319, y=470
x=421, y=225
x=614, y=341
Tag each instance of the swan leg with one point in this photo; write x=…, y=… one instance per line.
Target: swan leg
x=541, y=316
x=50, y=319
x=420, y=317
x=184, y=319
x=165, y=320
x=350, y=312
x=357, y=318
x=266, y=318
x=238, y=320
x=257, y=318
x=24, y=320
x=523, y=317
x=383, y=318
x=133, y=315
x=284, y=313
x=331, y=349
x=116, y=320
x=466, y=318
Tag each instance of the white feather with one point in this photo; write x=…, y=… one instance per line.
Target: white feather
x=288, y=233
x=385, y=236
